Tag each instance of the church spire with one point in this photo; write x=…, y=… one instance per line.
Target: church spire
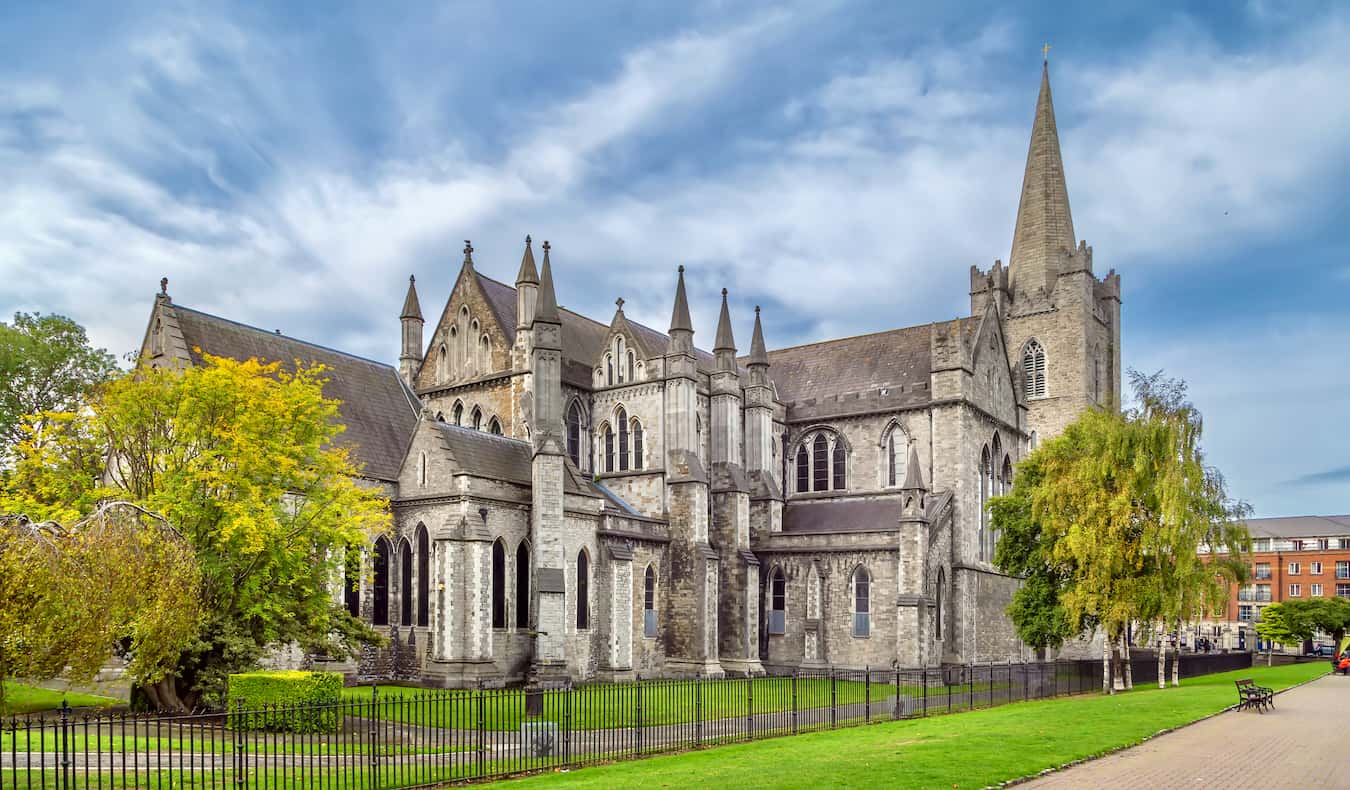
x=1044, y=224
x=546, y=308
x=411, y=307
x=758, y=354
x=724, y=341
x=913, y=474
x=527, y=273
x=679, y=317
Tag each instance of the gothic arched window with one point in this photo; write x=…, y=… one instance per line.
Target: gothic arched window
x=423, y=577
x=621, y=420
x=485, y=354
x=837, y=465
x=523, y=585
x=442, y=368
x=803, y=469
x=1033, y=369
x=583, y=590
x=937, y=608
x=609, y=370
x=897, y=456
x=458, y=413
x=405, y=583
x=380, y=616
x=632, y=366
x=421, y=469
x=637, y=444
x=983, y=482
x=494, y=427
x=649, y=602
x=477, y=419
x=618, y=345
x=777, y=602
x=575, y=426
x=820, y=477
x=498, y=584
x=609, y=448
x=862, y=603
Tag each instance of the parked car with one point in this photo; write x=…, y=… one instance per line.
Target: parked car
x=1323, y=651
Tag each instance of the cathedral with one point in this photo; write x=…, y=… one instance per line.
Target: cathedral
x=589, y=500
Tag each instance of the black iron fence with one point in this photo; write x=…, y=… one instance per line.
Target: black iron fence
x=394, y=737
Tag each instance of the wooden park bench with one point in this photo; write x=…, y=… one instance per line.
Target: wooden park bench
x=1251, y=695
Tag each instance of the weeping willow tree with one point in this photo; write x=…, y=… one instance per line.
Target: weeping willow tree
x=1108, y=521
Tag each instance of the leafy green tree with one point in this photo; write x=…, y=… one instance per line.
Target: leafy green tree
x=121, y=580
x=46, y=365
x=239, y=458
x=1285, y=624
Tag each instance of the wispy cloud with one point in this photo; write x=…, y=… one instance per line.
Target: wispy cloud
x=1340, y=475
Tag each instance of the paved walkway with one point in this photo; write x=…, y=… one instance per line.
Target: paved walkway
x=1302, y=743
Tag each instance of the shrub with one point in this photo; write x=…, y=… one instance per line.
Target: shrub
x=288, y=701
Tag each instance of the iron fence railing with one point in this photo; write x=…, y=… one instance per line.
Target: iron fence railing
x=394, y=737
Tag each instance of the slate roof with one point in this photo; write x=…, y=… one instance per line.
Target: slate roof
x=1299, y=526
x=496, y=457
x=583, y=339
x=837, y=376
x=841, y=515
x=379, y=411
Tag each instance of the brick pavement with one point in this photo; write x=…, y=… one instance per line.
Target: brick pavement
x=1304, y=742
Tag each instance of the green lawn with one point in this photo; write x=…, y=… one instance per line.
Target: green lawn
x=20, y=698
x=971, y=750
x=617, y=705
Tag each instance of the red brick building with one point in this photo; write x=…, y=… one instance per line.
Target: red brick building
x=1293, y=558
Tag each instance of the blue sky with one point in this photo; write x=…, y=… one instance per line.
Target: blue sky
x=842, y=164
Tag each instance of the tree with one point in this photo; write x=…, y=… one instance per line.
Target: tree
x=1107, y=520
x=239, y=458
x=121, y=580
x=46, y=365
x=1284, y=624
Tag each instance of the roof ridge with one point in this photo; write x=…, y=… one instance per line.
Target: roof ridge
x=262, y=331
x=854, y=337
x=486, y=434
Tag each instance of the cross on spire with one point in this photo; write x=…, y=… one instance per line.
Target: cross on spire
x=1045, y=52
x=164, y=286
x=619, y=302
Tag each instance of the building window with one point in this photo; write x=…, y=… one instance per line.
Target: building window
x=1262, y=570
x=442, y=369
x=937, y=608
x=862, y=603
x=1315, y=591
x=619, y=349
x=609, y=370
x=803, y=469
x=897, y=455
x=498, y=584
x=1295, y=590
x=820, y=479
x=351, y=585
x=494, y=427
x=1343, y=590
x=1245, y=612
x=1315, y=569
x=1342, y=569
x=381, y=583
x=838, y=465
x=983, y=482
x=405, y=585
x=575, y=426
x=422, y=469
x=1261, y=544
x=458, y=414
x=609, y=448
x=637, y=444
x=477, y=419
x=631, y=366
x=485, y=354
x=1033, y=369
x=423, y=577
x=583, y=590
x=523, y=585
x=621, y=419
x=777, y=602
x=649, y=603
x=1293, y=569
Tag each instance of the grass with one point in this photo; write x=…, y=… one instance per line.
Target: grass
x=21, y=698
x=971, y=750
x=617, y=705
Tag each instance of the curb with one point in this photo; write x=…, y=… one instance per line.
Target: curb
x=1056, y=769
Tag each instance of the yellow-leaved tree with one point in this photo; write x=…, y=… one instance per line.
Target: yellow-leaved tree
x=239, y=458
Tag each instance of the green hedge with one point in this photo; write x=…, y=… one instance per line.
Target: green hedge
x=286, y=701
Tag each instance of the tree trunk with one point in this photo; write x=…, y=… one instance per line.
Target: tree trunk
x=1129, y=665
x=1107, y=686
x=1162, y=659
x=164, y=696
x=1176, y=658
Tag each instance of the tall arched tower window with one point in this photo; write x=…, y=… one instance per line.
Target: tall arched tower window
x=820, y=478
x=609, y=370
x=937, y=608
x=405, y=583
x=777, y=602
x=897, y=455
x=631, y=366
x=609, y=448
x=803, y=469
x=983, y=482
x=523, y=585
x=862, y=603
x=380, y=616
x=1033, y=369
x=458, y=413
x=621, y=421
x=423, y=577
x=575, y=427
x=649, y=603
x=637, y=443
x=583, y=590
x=498, y=584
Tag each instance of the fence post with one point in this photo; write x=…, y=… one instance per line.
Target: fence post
x=374, y=752
x=970, y=697
x=794, y=701
x=991, y=684
x=867, y=694
x=750, y=708
x=567, y=723
x=240, y=747
x=67, y=764
x=925, y=690
x=897, y=693
x=698, y=709
x=639, y=713
x=834, y=709
x=482, y=728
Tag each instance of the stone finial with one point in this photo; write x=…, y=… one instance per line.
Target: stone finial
x=679, y=317
x=619, y=303
x=546, y=305
x=412, y=309
x=468, y=253
x=527, y=274
x=724, y=340
x=758, y=354
x=164, y=286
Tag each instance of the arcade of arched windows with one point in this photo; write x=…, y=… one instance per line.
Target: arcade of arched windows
x=399, y=580
x=465, y=351
x=995, y=478
x=819, y=462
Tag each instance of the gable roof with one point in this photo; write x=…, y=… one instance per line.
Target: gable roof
x=489, y=455
x=583, y=338
x=1299, y=526
x=379, y=411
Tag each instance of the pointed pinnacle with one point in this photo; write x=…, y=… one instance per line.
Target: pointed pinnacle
x=546, y=304
x=679, y=317
x=1044, y=222
x=914, y=475
x=411, y=307
x=724, y=341
x=758, y=355
x=527, y=273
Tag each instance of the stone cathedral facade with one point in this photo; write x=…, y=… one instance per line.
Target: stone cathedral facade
x=582, y=499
